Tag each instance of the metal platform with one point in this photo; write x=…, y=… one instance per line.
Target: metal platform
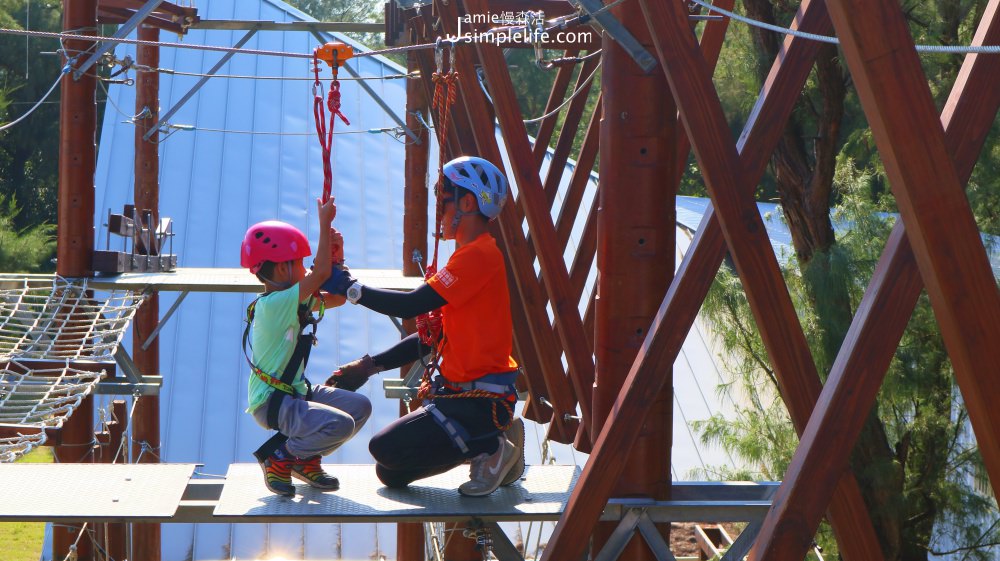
x=541, y=494
x=233, y=280
x=92, y=492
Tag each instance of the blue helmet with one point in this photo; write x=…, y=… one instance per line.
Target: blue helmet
x=483, y=179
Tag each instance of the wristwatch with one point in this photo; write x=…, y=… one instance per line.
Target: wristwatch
x=354, y=293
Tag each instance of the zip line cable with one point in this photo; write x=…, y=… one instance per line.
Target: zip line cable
x=951, y=49
x=582, y=87
x=37, y=103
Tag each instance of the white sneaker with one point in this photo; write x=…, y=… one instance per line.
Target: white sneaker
x=515, y=436
x=488, y=470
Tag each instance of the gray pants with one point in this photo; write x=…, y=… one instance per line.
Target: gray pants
x=319, y=426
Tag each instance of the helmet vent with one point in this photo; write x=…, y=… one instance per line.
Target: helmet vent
x=258, y=235
x=267, y=240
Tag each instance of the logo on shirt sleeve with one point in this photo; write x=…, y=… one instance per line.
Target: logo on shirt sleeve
x=445, y=277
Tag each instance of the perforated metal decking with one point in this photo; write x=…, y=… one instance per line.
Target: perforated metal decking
x=541, y=494
x=233, y=280
x=168, y=493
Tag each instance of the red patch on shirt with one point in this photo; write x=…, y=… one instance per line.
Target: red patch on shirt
x=446, y=278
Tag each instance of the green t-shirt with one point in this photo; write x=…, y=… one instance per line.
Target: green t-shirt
x=273, y=336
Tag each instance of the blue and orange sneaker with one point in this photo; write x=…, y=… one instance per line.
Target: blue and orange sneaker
x=278, y=473
x=310, y=470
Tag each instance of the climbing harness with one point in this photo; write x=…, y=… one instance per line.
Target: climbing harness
x=283, y=385
x=334, y=54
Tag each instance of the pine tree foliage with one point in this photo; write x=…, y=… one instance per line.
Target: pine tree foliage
x=933, y=477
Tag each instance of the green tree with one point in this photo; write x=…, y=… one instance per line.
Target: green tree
x=929, y=495
x=24, y=250
x=29, y=151
x=828, y=126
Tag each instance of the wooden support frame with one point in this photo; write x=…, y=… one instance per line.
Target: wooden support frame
x=574, y=113
x=681, y=304
x=513, y=240
x=556, y=97
x=567, y=316
x=878, y=326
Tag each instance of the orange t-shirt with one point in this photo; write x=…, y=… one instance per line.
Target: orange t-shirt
x=478, y=331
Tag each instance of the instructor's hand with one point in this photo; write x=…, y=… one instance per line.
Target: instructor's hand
x=353, y=375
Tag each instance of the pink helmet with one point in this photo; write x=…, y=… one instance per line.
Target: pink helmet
x=272, y=240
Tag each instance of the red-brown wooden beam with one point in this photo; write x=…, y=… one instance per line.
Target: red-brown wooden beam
x=567, y=133
x=556, y=96
x=146, y=542
x=410, y=536
x=566, y=312
x=711, y=47
x=581, y=177
x=680, y=307
x=939, y=221
x=168, y=8
x=118, y=15
x=75, y=230
x=878, y=326
x=552, y=8
x=636, y=253
x=521, y=263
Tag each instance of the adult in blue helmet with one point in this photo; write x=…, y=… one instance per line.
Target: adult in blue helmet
x=467, y=412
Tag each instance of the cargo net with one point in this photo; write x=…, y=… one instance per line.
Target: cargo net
x=51, y=319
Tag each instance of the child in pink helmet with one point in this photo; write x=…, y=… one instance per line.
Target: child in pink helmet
x=312, y=421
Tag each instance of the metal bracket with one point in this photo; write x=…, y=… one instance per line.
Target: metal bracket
x=150, y=385
x=502, y=548
x=128, y=368
x=375, y=97
x=635, y=518
x=201, y=82
x=619, y=33
x=123, y=31
x=163, y=321
x=743, y=542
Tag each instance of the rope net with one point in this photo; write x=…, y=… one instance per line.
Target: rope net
x=14, y=447
x=50, y=318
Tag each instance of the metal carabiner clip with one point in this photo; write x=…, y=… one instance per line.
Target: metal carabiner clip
x=439, y=55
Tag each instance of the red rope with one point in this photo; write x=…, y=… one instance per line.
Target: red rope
x=324, y=131
x=429, y=325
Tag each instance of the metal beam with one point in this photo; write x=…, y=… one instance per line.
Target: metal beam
x=375, y=97
x=201, y=82
x=123, y=31
x=616, y=30
x=164, y=319
x=263, y=25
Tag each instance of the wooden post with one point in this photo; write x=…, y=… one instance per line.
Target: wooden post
x=146, y=425
x=75, y=234
x=635, y=257
x=410, y=537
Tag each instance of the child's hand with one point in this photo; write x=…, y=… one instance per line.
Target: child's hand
x=336, y=246
x=327, y=212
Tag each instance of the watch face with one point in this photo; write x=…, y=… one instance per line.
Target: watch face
x=354, y=293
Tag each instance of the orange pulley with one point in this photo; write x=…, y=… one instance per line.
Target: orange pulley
x=334, y=54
